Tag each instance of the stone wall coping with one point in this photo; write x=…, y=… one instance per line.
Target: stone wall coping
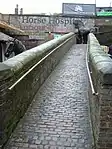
x=100, y=60
x=30, y=57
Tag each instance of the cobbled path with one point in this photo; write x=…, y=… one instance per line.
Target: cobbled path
x=58, y=117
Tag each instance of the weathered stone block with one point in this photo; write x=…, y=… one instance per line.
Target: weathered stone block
x=101, y=105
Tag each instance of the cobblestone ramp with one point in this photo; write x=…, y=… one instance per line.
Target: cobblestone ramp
x=58, y=117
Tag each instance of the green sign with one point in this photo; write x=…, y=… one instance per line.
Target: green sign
x=108, y=13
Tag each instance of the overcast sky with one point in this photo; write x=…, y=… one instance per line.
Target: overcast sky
x=44, y=6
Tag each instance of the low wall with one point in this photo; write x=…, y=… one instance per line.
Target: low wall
x=21, y=77
x=100, y=65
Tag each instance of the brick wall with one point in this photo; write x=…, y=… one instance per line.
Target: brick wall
x=100, y=105
x=13, y=103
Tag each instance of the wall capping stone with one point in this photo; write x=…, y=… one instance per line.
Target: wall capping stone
x=34, y=54
x=5, y=71
x=101, y=105
x=100, y=60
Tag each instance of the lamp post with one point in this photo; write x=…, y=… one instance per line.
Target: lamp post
x=95, y=8
x=110, y=3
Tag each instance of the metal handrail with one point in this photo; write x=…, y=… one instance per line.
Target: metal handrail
x=89, y=75
x=12, y=86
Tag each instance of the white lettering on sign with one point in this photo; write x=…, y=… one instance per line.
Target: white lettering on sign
x=78, y=8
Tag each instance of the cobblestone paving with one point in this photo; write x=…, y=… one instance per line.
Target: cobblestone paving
x=58, y=117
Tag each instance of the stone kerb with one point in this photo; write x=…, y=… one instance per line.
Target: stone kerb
x=100, y=60
x=100, y=65
x=28, y=58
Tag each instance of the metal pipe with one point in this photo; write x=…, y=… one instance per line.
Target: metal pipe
x=89, y=75
x=12, y=86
